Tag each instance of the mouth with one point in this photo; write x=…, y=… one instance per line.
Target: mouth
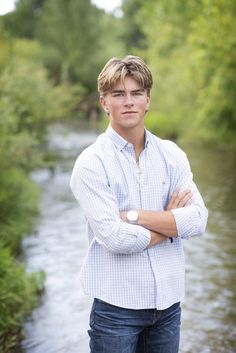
x=129, y=112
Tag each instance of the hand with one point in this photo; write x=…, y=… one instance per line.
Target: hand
x=179, y=199
x=123, y=216
x=156, y=238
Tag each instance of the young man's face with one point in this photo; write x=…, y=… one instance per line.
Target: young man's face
x=126, y=105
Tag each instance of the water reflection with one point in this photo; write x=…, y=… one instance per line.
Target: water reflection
x=58, y=247
x=209, y=320
x=59, y=244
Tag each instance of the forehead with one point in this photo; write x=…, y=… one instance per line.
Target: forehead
x=127, y=84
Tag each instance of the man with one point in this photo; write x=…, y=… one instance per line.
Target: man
x=139, y=200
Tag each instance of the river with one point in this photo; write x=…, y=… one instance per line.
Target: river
x=58, y=246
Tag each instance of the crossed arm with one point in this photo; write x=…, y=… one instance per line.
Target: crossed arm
x=162, y=224
x=101, y=209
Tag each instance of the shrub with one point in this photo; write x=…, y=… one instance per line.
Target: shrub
x=18, y=206
x=18, y=295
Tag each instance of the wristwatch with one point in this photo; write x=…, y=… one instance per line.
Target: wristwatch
x=132, y=216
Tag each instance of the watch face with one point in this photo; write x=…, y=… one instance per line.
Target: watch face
x=132, y=216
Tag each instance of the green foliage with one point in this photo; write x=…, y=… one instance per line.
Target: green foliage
x=18, y=295
x=18, y=206
x=132, y=33
x=111, y=39
x=215, y=42
x=72, y=33
x=62, y=30
x=190, y=47
x=28, y=103
x=166, y=26
x=161, y=125
x=50, y=55
x=23, y=95
x=77, y=39
x=5, y=47
x=24, y=21
x=26, y=93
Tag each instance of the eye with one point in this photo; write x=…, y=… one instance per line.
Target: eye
x=117, y=94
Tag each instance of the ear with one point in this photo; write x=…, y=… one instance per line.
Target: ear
x=148, y=102
x=103, y=102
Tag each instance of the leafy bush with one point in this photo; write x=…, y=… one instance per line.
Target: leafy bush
x=163, y=125
x=18, y=295
x=18, y=206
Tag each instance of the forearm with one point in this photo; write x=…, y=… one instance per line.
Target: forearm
x=162, y=222
x=100, y=208
x=121, y=237
x=156, y=238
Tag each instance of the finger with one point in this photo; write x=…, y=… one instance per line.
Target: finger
x=183, y=198
x=184, y=193
x=173, y=200
x=179, y=199
x=123, y=216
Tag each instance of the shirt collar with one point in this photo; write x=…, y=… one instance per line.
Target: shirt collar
x=119, y=141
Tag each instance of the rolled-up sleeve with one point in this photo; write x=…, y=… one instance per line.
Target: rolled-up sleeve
x=90, y=187
x=190, y=220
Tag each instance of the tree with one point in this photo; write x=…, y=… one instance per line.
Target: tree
x=190, y=46
x=132, y=33
x=166, y=26
x=70, y=32
x=213, y=40
x=24, y=20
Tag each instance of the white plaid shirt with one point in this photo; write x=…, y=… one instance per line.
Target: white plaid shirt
x=119, y=268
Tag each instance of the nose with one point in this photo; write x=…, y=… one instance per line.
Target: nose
x=128, y=100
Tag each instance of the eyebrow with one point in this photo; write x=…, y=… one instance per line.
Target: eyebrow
x=133, y=91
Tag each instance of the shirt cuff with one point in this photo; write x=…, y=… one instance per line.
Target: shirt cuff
x=144, y=237
x=182, y=217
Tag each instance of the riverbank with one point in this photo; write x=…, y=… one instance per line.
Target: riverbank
x=20, y=195
x=19, y=290
x=57, y=246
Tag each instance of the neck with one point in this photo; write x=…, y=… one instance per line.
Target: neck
x=135, y=137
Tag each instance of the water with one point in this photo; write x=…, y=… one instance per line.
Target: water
x=58, y=246
x=209, y=315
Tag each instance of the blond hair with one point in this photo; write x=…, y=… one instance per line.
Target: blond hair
x=117, y=69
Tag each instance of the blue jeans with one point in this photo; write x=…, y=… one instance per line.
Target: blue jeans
x=118, y=330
